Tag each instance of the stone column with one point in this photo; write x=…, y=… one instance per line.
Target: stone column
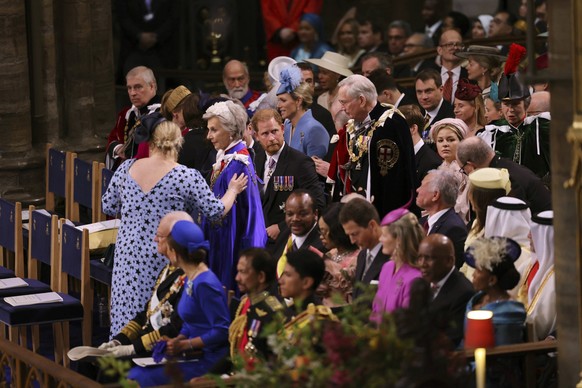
x=15, y=128
x=566, y=87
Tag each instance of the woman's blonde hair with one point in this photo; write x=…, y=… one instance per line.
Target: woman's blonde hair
x=480, y=110
x=167, y=138
x=409, y=233
x=303, y=91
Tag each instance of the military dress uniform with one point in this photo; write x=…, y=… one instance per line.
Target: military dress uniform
x=160, y=317
x=250, y=319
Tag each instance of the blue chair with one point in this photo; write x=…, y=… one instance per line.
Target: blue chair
x=99, y=271
x=75, y=263
x=85, y=188
x=58, y=179
x=12, y=250
x=43, y=247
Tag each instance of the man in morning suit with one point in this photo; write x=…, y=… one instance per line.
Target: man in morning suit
x=474, y=153
x=451, y=289
x=302, y=230
x=361, y=222
x=437, y=195
x=429, y=93
x=282, y=169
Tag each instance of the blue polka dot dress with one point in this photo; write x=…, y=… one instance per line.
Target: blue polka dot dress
x=137, y=262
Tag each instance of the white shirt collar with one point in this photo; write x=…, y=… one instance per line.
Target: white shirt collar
x=299, y=240
x=418, y=146
x=442, y=282
x=434, y=112
x=274, y=156
x=374, y=251
x=398, y=101
x=430, y=30
x=435, y=217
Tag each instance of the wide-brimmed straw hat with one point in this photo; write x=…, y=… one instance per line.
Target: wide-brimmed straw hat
x=485, y=51
x=333, y=62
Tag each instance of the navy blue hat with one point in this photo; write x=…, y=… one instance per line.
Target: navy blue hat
x=189, y=235
x=147, y=124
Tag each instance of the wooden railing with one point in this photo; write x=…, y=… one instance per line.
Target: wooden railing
x=527, y=350
x=22, y=368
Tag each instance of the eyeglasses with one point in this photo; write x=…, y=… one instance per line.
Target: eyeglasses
x=453, y=45
x=411, y=45
x=344, y=102
x=462, y=169
x=161, y=235
x=396, y=37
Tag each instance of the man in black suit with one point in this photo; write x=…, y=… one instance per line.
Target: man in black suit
x=437, y=195
x=282, y=170
x=387, y=89
x=474, y=153
x=429, y=93
x=426, y=159
x=302, y=230
x=451, y=289
x=361, y=223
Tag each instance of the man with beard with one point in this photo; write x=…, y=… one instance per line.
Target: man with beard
x=303, y=232
x=236, y=80
x=141, y=88
x=282, y=170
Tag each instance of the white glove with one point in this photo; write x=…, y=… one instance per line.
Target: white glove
x=109, y=345
x=123, y=350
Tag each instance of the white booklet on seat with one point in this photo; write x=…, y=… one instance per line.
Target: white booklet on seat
x=12, y=283
x=149, y=361
x=25, y=300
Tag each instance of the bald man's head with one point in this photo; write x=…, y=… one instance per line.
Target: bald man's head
x=165, y=227
x=540, y=102
x=436, y=257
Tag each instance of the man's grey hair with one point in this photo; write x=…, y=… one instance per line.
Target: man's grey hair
x=475, y=150
x=447, y=184
x=403, y=25
x=145, y=73
x=358, y=85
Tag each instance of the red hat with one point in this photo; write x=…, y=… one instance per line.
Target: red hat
x=466, y=90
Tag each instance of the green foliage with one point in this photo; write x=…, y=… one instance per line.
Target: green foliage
x=321, y=353
x=114, y=367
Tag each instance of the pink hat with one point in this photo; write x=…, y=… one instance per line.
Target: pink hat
x=458, y=125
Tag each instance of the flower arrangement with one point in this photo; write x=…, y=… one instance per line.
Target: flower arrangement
x=402, y=350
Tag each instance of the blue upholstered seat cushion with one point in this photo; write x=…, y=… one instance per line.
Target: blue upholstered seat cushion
x=34, y=287
x=6, y=273
x=69, y=309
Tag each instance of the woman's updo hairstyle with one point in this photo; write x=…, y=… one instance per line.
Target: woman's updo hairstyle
x=167, y=138
x=232, y=116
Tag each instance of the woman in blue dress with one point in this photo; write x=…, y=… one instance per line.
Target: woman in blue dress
x=302, y=131
x=202, y=307
x=495, y=274
x=244, y=226
x=141, y=192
